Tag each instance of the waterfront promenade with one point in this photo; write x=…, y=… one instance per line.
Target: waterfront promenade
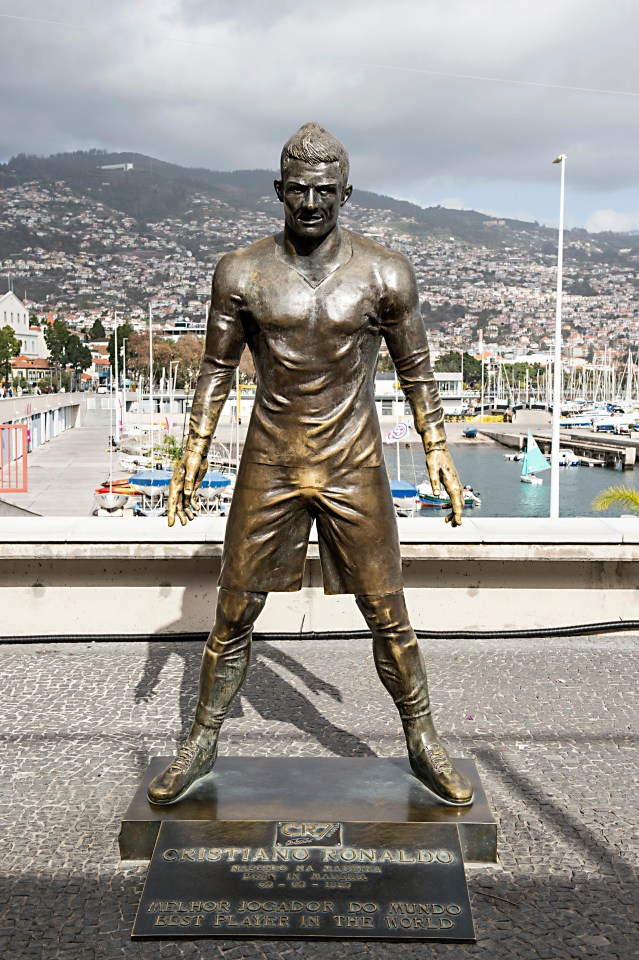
x=64, y=472
x=552, y=725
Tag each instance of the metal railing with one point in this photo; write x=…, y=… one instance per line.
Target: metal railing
x=13, y=458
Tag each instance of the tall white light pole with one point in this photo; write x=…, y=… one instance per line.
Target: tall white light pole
x=556, y=392
x=151, y=379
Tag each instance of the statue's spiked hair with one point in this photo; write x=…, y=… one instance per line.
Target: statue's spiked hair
x=313, y=144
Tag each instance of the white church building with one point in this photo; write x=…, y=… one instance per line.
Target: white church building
x=14, y=314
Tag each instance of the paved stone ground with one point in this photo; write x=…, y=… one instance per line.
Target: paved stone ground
x=554, y=735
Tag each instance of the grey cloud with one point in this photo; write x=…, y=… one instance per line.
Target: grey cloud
x=222, y=84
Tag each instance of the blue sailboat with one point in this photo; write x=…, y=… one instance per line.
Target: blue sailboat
x=534, y=462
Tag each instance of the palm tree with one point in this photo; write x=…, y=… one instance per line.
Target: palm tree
x=620, y=496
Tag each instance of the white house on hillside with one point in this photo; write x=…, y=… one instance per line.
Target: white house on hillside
x=14, y=314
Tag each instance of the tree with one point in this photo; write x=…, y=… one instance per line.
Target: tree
x=78, y=355
x=56, y=335
x=189, y=352
x=172, y=449
x=451, y=363
x=97, y=331
x=10, y=347
x=137, y=354
x=384, y=363
x=247, y=367
x=163, y=353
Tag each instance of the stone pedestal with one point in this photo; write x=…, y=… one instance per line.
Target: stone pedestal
x=359, y=790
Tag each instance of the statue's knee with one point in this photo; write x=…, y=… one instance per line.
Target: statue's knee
x=237, y=611
x=387, y=612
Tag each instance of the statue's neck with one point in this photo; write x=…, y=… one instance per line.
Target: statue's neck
x=316, y=252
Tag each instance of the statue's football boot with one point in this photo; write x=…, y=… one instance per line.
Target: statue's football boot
x=194, y=760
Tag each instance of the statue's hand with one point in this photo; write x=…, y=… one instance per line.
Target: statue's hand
x=187, y=477
x=442, y=472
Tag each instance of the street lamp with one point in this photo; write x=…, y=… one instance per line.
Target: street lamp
x=556, y=392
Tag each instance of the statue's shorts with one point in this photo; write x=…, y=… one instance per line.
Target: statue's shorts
x=270, y=520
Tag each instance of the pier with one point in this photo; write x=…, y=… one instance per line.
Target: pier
x=620, y=452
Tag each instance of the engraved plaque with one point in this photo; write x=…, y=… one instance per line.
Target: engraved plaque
x=396, y=881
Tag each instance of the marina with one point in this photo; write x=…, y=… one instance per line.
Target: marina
x=65, y=472
x=496, y=480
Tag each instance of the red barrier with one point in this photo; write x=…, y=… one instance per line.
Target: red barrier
x=13, y=458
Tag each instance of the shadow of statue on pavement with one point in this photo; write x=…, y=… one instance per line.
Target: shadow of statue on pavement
x=272, y=696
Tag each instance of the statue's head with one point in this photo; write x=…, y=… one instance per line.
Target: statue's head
x=314, y=185
x=314, y=145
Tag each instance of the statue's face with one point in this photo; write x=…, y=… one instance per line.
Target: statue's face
x=312, y=196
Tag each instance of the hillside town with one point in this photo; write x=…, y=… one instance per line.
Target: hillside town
x=85, y=263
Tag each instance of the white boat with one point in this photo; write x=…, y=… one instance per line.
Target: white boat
x=403, y=494
x=132, y=463
x=533, y=462
x=109, y=498
x=212, y=485
x=151, y=482
x=567, y=458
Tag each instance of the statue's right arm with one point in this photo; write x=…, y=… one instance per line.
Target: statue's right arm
x=222, y=353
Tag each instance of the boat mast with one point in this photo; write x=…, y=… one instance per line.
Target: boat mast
x=117, y=375
x=111, y=430
x=629, y=378
x=237, y=420
x=396, y=423
x=151, y=378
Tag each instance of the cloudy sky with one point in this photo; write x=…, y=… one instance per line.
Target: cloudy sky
x=458, y=102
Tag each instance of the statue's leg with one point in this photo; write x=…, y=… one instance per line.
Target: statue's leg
x=401, y=669
x=225, y=662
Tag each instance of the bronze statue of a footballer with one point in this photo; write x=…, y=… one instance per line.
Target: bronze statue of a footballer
x=313, y=304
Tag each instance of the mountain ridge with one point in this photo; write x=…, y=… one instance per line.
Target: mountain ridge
x=136, y=192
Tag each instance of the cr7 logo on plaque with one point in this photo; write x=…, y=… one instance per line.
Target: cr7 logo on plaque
x=302, y=834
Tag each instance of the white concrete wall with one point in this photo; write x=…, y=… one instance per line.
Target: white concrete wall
x=96, y=576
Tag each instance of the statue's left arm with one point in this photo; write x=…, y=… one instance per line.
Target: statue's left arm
x=405, y=335
x=222, y=352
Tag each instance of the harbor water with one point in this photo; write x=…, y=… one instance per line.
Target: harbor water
x=484, y=467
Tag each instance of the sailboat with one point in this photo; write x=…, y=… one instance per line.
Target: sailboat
x=534, y=462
